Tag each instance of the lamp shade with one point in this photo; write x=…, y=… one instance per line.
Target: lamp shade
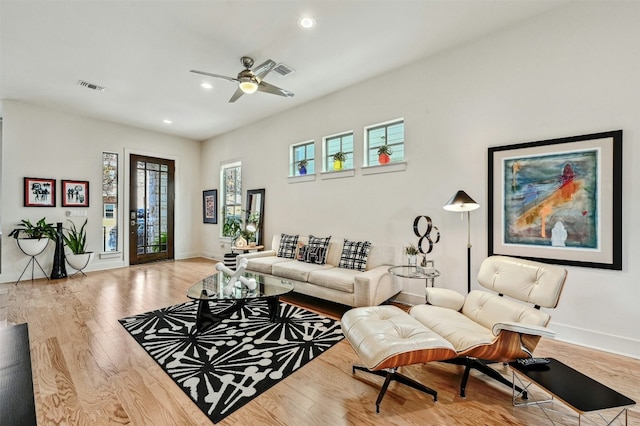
x=248, y=85
x=461, y=202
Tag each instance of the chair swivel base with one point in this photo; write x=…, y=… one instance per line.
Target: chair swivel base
x=391, y=374
x=481, y=365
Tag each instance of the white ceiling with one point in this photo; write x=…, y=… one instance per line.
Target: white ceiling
x=142, y=51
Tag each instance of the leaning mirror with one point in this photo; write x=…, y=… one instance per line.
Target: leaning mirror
x=255, y=215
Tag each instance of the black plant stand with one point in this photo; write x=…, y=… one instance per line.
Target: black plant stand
x=59, y=270
x=33, y=261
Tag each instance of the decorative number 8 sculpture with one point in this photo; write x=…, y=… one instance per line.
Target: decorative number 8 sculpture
x=427, y=235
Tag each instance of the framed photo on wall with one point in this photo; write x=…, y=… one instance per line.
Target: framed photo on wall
x=210, y=206
x=75, y=193
x=39, y=192
x=558, y=200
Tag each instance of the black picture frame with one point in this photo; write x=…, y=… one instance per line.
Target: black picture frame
x=210, y=206
x=74, y=193
x=558, y=200
x=39, y=192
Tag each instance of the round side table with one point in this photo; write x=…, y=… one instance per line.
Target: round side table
x=406, y=271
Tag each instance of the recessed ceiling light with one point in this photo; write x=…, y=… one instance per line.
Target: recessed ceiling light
x=167, y=121
x=307, y=22
x=206, y=85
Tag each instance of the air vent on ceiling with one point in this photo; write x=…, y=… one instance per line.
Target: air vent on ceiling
x=91, y=86
x=283, y=70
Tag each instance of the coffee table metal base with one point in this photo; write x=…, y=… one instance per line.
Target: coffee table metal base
x=206, y=319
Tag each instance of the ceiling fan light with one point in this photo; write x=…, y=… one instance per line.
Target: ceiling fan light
x=248, y=86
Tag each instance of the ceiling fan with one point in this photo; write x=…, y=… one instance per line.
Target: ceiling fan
x=249, y=81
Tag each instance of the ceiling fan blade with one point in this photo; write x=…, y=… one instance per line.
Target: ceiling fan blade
x=236, y=95
x=224, y=77
x=270, y=88
x=263, y=69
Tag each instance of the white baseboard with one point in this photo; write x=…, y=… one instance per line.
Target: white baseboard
x=596, y=340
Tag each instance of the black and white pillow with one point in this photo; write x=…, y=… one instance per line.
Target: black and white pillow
x=319, y=243
x=317, y=255
x=288, y=244
x=354, y=255
x=301, y=253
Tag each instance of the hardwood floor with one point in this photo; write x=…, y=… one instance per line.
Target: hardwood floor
x=88, y=371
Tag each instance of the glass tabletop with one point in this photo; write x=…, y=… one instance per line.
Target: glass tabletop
x=213, y=287
x=406, y=271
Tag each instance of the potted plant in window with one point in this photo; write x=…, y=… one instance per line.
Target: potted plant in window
x=338, y=160
x=76, y=240
x=384, y=154
x=31, y=238
x=412, y=254
x=302, y=166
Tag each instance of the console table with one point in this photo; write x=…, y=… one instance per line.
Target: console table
x=579, y=392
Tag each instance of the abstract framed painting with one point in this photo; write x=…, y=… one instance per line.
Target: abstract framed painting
x=558, y=200
x=39, y=192
x=210, y=206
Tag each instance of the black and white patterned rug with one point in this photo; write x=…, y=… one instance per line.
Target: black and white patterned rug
x=236, y=360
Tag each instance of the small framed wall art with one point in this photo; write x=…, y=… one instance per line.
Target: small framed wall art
x=210, y=206
x=75, y=193
x=39, y=192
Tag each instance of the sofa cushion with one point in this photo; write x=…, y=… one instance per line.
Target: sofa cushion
x=288, y=245
x=354, y=255
x=335, y=278
x=315, y=244
x=294, y=270
x=264, y=265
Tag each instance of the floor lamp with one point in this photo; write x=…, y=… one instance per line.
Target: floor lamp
x=461, y=202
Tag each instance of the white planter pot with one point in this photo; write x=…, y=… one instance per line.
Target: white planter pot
x=32, y=246
x=79, y=261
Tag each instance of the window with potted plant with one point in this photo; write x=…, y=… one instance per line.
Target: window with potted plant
x=384, y=154
x=338, y=160
x=302, y=166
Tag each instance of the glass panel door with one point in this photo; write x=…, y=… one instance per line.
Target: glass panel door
x=151, y=215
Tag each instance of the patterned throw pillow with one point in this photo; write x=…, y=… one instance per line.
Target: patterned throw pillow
x=317, y=255
x=354, y=255
x=320, y=256
x=288, y=245
x=301, y=253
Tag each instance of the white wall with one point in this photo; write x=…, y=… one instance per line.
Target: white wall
x=570, y=72
x=43, y=143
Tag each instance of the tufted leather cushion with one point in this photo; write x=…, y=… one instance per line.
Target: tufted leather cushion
x=385, y=336
x=532, y=282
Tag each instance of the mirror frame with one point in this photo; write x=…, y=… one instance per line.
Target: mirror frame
x=250, y=194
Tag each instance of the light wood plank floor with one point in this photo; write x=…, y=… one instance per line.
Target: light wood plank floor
x=89, y=371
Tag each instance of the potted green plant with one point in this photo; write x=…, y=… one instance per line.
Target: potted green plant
x=338, y=160
x=76, y=240
x=302, y=166
x=31, y=238
x=412, y=254
x=384, y=154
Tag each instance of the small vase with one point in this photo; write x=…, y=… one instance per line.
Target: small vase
x=384, y=158
x=302, y=170
x=413, y=260
x=337, y=165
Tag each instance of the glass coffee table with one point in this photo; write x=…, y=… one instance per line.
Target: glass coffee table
x=212, y=288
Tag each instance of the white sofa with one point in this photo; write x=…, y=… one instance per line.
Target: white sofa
x=328, y=281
